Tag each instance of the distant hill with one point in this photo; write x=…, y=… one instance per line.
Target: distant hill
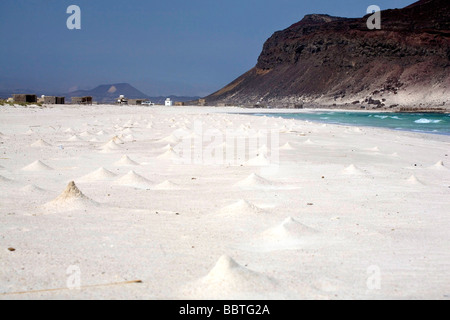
x=108, y=93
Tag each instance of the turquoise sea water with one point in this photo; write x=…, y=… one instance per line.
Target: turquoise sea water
x=417, y=122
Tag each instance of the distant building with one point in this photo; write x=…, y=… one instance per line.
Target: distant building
x=179, y=104
x=136, y=102
x=202, y=102
x=25, y=98
x=54, y=100
x=81, y=100
x=169, y=102
x=122, y=100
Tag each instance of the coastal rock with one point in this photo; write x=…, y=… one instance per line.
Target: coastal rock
x=331, y=60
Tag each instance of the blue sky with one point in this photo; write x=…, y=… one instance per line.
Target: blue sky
x=190, y=47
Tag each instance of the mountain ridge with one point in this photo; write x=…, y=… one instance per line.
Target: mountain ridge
x=329, y=60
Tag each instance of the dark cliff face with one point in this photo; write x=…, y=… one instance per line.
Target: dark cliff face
x=328, y=59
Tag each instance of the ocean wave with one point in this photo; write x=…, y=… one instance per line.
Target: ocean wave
x=427, y=121
x=381, y=117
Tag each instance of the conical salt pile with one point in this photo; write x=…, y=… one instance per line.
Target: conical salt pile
x=169, y=154
x=132, y=179
x=440, y=165
x=241, y=208
x=71, y=199
x=75, y=138
x=40, y=144
x=172, y=139
x=259, y=160
x=413, y=180
x=287, y=146
x=37, y=166
x=71, y=193
x=374, y=149
x=352, y=169
x=110, y=146
x=126, y=161
x=100, y=174
x=254, y=181
x=289, y=229
x=229, y=280
x=166, y=185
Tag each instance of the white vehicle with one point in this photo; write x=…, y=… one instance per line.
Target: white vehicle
x=148, y=103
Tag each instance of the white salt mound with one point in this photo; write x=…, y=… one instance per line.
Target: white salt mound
x=289, y=229
x=169, y=154
x=166, y=185
x=75, y=138
x=117, y=140
x=259, y=160
x=167, y=147
x=85, y=134
x=440, y=165
x=286, y=146
x=132, y=179
x=71, y=199
x=242, y=207
x=309, y=142
x=229, y=280
x=352, y=169
x=413, y=180
x=254, y=181
x=41, y=143
x=126, y=161
x=100, y=174
x=170, y=139
x=37, y=166
x=110, y=146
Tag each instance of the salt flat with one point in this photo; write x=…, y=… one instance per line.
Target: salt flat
x=320, y=212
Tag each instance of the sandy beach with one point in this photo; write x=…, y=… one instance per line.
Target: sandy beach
x=311, y=211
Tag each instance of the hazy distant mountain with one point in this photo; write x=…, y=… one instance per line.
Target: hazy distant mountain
x=109, y=93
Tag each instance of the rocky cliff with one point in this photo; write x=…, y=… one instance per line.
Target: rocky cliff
x=330, y=60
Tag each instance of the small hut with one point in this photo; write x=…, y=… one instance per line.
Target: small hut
x=54, y=100
x=25, y=98
x=82, y=100
x=169, y=102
